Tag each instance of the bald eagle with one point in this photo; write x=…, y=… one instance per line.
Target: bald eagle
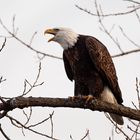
x=88, y=62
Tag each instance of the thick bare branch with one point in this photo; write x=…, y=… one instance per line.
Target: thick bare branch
x=21, y=102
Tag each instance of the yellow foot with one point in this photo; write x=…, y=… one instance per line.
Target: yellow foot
x=88, y=98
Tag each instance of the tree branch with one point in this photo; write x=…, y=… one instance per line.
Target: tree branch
x=25, y=44
x=3, y=45
x=3, y=133
x=110, y=14
x=94, y=105
x=126, y=53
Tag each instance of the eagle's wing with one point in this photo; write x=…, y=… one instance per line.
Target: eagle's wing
x=104, y=65
x=67, y=67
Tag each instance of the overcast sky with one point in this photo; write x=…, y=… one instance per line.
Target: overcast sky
x=19, y=63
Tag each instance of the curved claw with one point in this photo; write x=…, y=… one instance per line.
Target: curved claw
x=86, y=98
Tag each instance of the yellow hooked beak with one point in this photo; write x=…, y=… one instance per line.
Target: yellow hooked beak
x=50, y=31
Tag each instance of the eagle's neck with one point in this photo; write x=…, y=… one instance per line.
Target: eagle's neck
x=69, y=40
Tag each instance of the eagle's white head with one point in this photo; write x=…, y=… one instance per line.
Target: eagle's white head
x=64, y=36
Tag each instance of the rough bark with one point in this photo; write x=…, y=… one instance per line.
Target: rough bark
x=94, y=105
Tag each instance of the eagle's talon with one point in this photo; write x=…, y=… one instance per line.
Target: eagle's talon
x=88, y=98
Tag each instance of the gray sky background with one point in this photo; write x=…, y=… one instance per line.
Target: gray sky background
x=19, y=63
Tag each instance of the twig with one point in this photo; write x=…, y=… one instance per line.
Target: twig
x=135, y=131
x=25, y=91
x=38, y=123
x=132, y=122
x=28, y=116
x=52, y=56
x=133, y=1
x=32, y=38
x=71, y=137
x=134, y=105
x=110, y=14
x=128, y=138
x=130, y=40
x=126, y=53
x=1, y=79
x=87, y=133
x=3, y=45
x=51, y=120
x=99, y=14
x=3, y=133
x=112, y=133
x=13, y=25
x=137, y=15
x=25, y=44
x=137, y=90
x=25, y=127
x=104, y=28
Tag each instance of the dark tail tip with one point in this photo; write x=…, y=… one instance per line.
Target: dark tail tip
x=118, y=119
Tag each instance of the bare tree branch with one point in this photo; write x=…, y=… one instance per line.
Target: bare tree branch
x=126, y=36
x=126, y=53
x=104, y=29
x=21, y=102
x=3, y=133
x=41, y=122
x=28, y=128
x=13, y=25
x=52, y=56
x=35, y=84
x=87, y=133
x=136, y=2
x=71, y=137
x=25, y=44
x=32, y=38
x=1, y=79
x=100, y=15
x=28, y=116
x=137, y=90
x=3, y=45
x=110, y=14
x=51, y=120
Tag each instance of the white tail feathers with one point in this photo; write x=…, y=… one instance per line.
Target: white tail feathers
x=108, y=96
